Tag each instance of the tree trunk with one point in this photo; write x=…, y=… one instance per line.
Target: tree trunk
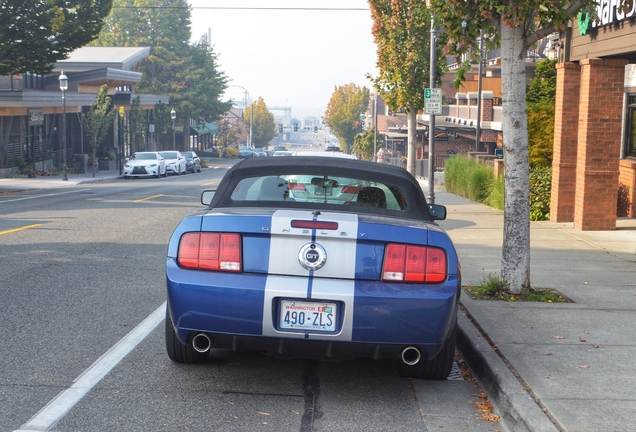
x=411, y=118
x=515, y=262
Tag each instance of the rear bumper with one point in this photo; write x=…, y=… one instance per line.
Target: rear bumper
x=379, y=319
x=312, y=349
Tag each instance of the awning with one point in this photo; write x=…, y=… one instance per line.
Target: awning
x=395, y=135
x=204, y=129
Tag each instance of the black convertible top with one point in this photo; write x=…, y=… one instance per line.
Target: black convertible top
x=330, y=166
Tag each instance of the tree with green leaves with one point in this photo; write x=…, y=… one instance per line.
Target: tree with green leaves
x=188, y=73
x=160, y=117
x=541, y=97
x=515, y=26
x=263, y=124
x=343, y=111
x=364, y=144
x=136, y=125
x=98, y=121
x=401, y=30
x=35, y=34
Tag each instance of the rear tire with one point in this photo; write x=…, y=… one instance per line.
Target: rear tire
x=177, y=351
x=439, y=367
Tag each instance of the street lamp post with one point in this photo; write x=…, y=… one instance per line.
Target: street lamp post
x=173, y=116
x=64, y=86
x=375, y=127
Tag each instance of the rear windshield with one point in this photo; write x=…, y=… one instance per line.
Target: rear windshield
x=144, y=156
x=319, y=189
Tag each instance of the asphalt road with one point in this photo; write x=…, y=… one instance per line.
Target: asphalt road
x=82, y=289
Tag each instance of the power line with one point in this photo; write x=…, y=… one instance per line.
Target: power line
x=241, y=8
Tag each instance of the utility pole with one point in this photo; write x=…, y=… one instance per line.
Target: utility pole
x=431, y=123
x=479, y=79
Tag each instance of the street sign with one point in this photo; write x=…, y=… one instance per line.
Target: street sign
x=499, y=152
x=432, y=101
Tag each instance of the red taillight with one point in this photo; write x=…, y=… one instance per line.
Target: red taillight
x=314, y=224
x=210, y=251
x=350, y=189
x=408, y=263
x=296, y=186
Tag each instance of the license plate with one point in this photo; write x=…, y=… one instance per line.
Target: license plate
x=315, y=316
x=327, y=190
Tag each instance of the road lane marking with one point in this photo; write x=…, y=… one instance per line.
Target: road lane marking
x=208, y=183
x=57, y=408
x=148, y=198
x=40, y=196
x=19, y=229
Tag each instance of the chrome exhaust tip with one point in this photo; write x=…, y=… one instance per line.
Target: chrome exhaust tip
x=410, y=355
x=201, y=343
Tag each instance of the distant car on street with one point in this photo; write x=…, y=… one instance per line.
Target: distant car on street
x=175, y=162
x=246, y=152
x=338, y=154
x=193, y=162
x=145, y=164
x=261, y=152
x=283, y=153
x=333, y=148
x=279, y=148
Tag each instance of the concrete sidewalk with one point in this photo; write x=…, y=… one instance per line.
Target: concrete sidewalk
x=11, y=184
x=552, y=366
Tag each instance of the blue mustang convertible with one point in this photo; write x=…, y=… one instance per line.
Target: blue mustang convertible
x=314, y=257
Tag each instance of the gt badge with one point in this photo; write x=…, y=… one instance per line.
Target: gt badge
x=312, y=256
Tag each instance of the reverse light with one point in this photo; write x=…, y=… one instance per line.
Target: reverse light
x=408, y=263
x=210, y=251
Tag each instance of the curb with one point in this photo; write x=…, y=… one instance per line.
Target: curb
x=517, y=409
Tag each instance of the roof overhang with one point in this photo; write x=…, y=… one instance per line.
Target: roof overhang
x=88, y=57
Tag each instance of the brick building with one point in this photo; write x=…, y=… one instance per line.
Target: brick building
x=594, y=167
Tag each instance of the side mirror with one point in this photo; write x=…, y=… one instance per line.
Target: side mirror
x=206, y=197
x=438, y=212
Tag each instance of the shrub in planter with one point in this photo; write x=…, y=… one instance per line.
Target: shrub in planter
x=230, y=153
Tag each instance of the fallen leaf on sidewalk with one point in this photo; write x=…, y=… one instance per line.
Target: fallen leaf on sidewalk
x=582, y=340
x=481, y=395
x=559, y=337
x=584, y=283
x=491, y=417
x=484, y=406
x=262, y=413
x=495, y=346
x=584, y=366
x=549, y=354
x=597, y=346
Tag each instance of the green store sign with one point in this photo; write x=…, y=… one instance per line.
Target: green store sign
x=608, y=12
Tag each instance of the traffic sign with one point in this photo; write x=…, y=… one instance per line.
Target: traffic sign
x=432, y=101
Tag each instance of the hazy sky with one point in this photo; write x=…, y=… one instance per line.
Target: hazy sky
x=289, y=57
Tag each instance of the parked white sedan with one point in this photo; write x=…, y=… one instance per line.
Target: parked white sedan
x=145, y=164
x=175, y=161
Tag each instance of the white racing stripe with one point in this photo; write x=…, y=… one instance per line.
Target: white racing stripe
x=333, y=282
x=67, y=399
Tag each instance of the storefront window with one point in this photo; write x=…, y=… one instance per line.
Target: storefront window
x=631, y=127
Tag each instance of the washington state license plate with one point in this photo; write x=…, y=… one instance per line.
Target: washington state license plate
x=315, y=316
